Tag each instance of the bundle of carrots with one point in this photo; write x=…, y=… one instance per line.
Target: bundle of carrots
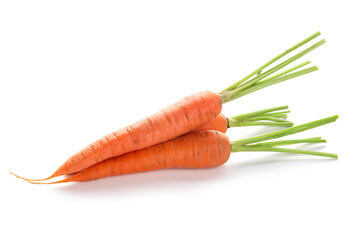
x=191, y=132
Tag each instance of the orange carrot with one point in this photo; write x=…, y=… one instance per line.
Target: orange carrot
x=186, y=151
x=219, y=124
x=184, y=116
x=189, y=113
x=201, y=149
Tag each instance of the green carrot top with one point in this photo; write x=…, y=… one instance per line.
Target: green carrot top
x=261, y=143
x=257, y=79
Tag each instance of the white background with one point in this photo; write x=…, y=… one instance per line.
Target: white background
x=72, y=71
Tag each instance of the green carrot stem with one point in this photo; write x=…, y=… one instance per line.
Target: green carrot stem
x=258, y=118
x=274, y=119
x=249, y=123
x=288, y=142
x=285, y=132
x=282, y=116
x=280, y=66
x=234, y=94
x=285, y=150
x=259, y=112
x=288, y=70
x=258, y=70
x=277, y=114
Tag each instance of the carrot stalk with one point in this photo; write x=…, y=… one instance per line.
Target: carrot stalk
x=279, y=66
x=256, y=118
x=254, y=143
x=281, y=114
x=234, y=94
x=275, y=119
x=258, y=70
x=286, y=132
x=289, y=142
x=262, y=123
x=287, y=150
x=260, y=112
x=288, y=70
x=260, y=118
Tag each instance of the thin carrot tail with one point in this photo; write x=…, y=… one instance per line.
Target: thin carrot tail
x=28, y=179
x=34, y=181
x=60, y=181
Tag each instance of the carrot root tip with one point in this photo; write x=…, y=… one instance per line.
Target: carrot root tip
x=32, y=180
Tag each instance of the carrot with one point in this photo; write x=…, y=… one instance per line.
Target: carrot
x=265, y=117
x=201, y=149
x=185, y=115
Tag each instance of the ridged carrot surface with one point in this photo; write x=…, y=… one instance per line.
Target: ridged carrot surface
x=177, y=119
x=194, y=150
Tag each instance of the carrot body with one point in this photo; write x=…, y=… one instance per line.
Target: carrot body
x=177, y=119
x=219, y=124
x=202, y=149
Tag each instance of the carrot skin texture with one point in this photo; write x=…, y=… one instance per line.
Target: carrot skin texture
x=202, y=149
x=219, y=124
x=177, y=119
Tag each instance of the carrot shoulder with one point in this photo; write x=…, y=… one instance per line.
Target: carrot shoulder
x=219, y=124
